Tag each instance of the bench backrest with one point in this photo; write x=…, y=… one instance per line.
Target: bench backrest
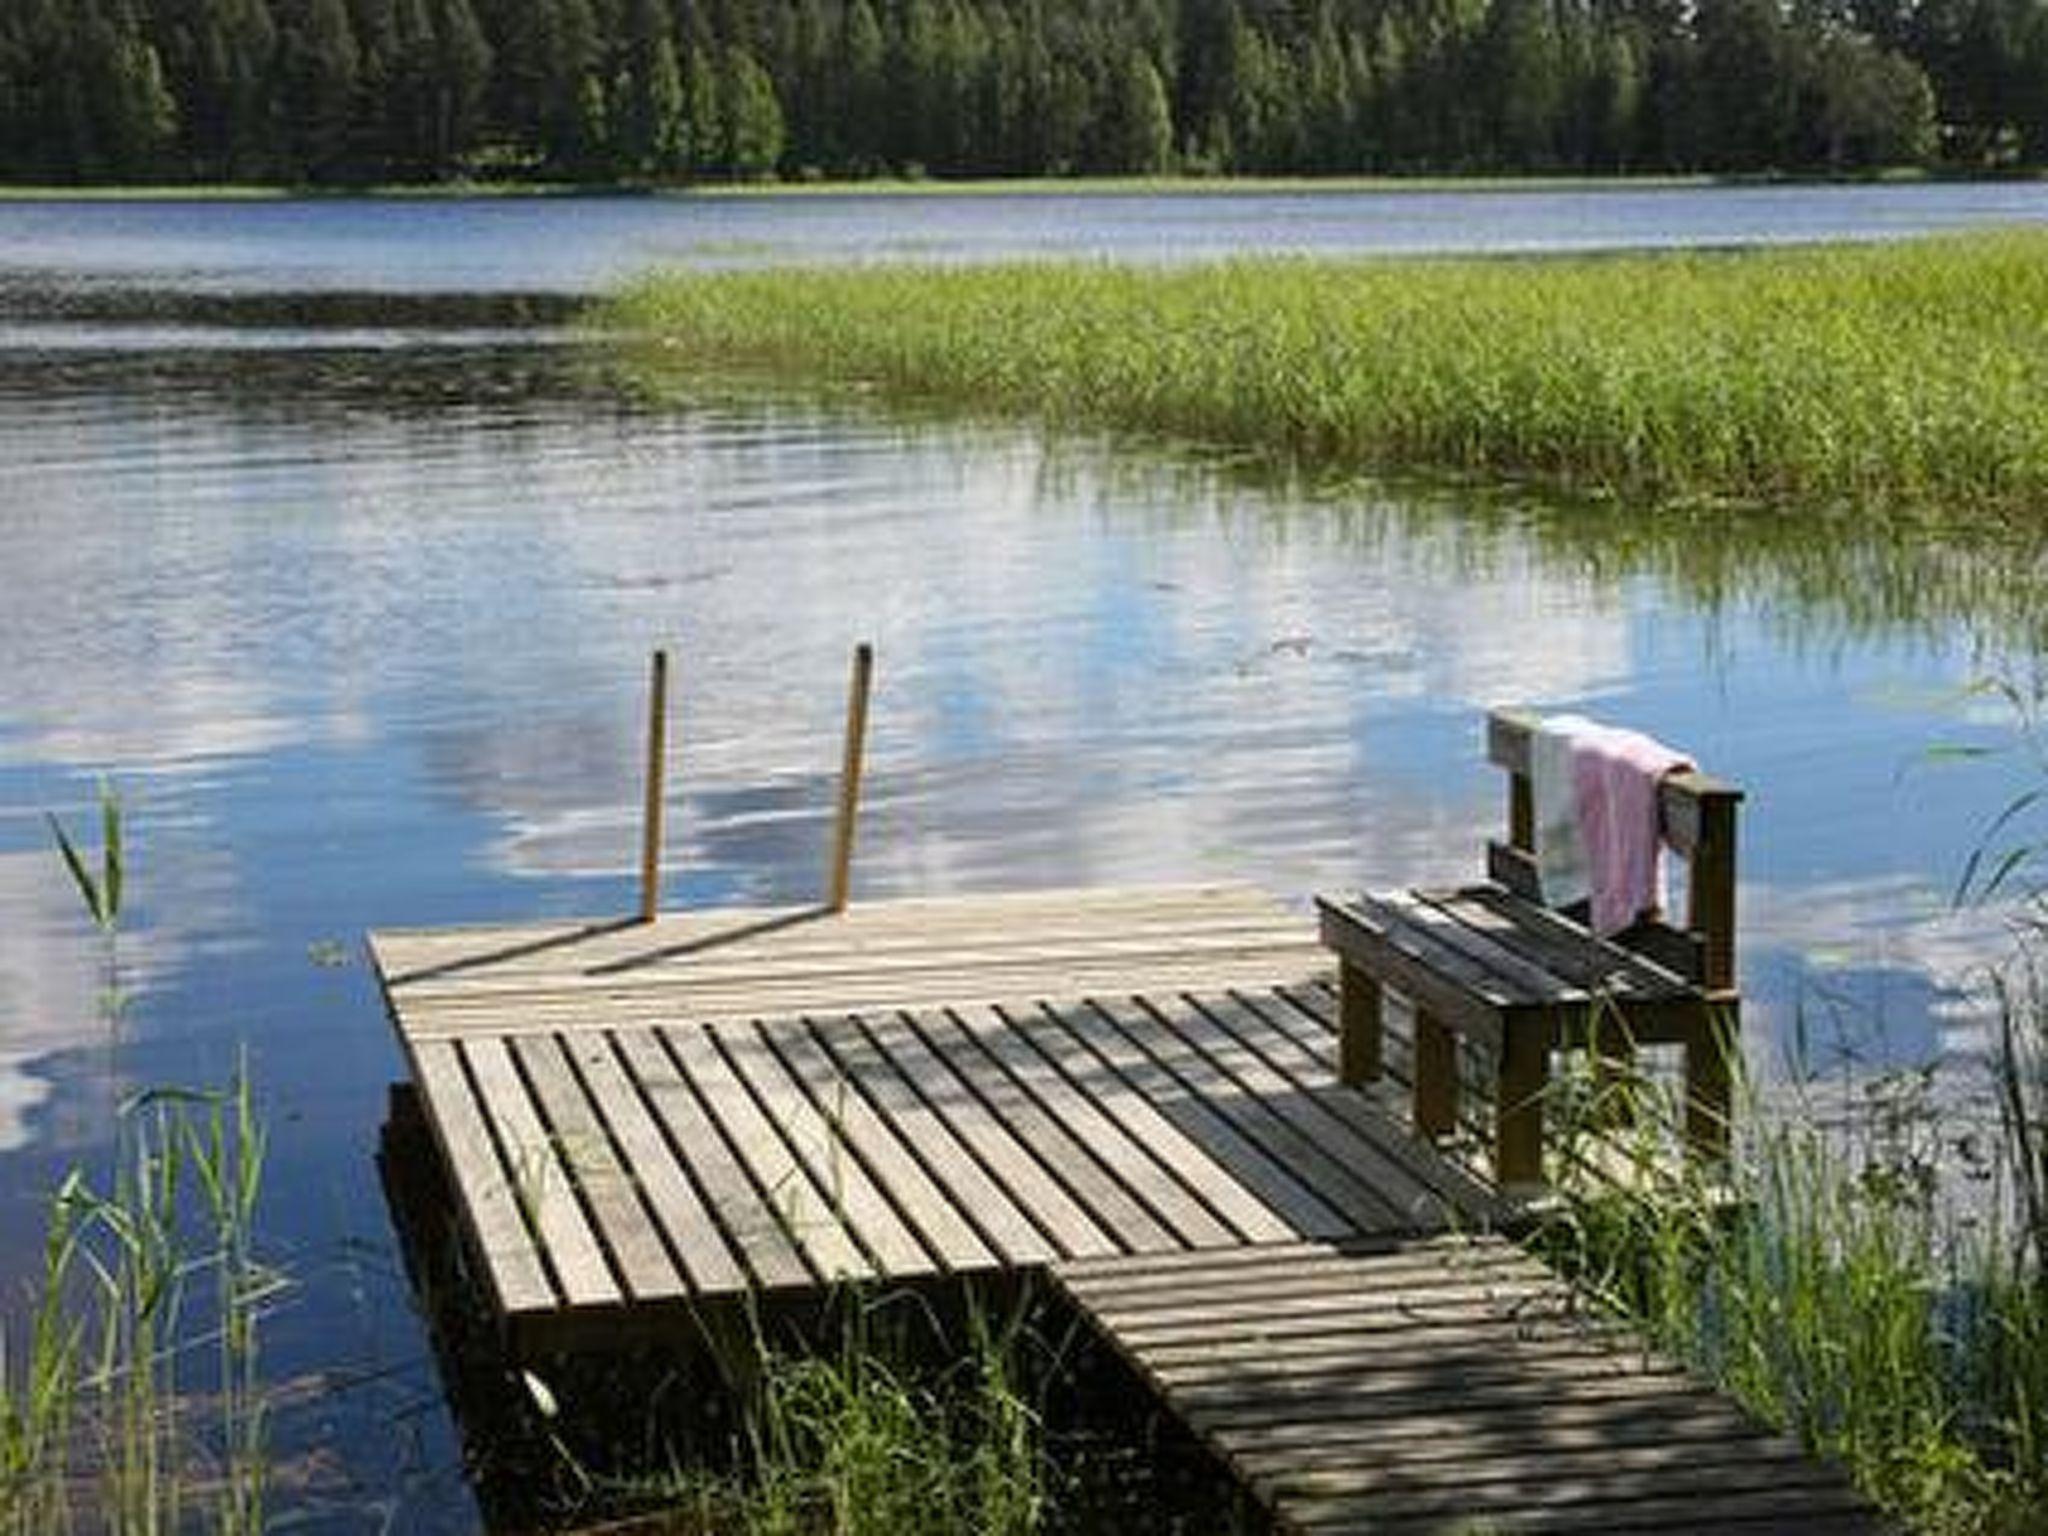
x=1698, y=814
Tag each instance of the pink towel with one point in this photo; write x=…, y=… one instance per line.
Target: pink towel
x=1615, y=774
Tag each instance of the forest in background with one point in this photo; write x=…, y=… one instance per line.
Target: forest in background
x=361, y=91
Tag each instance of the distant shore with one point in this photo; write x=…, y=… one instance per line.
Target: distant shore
x=1034, y=186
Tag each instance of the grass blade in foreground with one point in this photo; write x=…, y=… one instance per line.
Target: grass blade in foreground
x=1907, y=375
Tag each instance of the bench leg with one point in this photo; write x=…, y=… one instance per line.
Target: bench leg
x=1436, y=1076
x=1709, y=1058
x=1359, y=1026
x=1518, y=1112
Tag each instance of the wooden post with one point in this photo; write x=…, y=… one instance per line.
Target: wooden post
x=1711, y=912
x=1359, y=1026
x=1518, y=1105
x=841, y=888
x=1436, y=1076
x=657, y=799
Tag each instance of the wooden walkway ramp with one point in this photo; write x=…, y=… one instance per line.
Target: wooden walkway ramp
x=1133, y=1091
x=1439, y=1384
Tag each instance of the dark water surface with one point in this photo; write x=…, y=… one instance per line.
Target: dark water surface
x=356, y=617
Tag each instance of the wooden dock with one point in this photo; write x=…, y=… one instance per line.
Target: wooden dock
x=1133, y=1092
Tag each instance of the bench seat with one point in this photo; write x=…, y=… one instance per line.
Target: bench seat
x=1494, y=962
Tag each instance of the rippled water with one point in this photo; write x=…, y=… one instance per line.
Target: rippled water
x=357, y=620
x=471, y=245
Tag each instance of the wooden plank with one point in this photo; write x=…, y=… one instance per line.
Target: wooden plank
x=1265, y=1178
x=1451, y=1258
x=485, y=1198
x=1275, y=1008
x=1089, y=1178
x=941, y=1153
x=1617, y=1445
x=936, y=1213
x=1512, y=1282
x=1387, y=1341
x=1216, y=1314
x=1565, y=947
x=1591, y=1500
x=1492, y=949
x=629, y=1235
x=708, y=1260
x=1450, y=1315
x=1392, y=1398
x=771, y=999
x=1265, y=1125
x=805, y=1210
x=1416, y=967
x=1023, y=1179
x=1068, y=1043
x=743, y=1217
x=588, y=944
x=1219, y=1024
x=1449, y=1426
x=827, y=1155
x=541, y=1182
x=1339, y=1376
x=1081, y=1101
x=1258, y=1020
x=906, y=964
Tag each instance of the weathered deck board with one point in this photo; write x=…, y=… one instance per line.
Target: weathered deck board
x=1450, y=1408
x=1134, y=1092
x=674, y=1126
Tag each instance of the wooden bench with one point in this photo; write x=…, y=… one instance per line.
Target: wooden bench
x=1493, y=961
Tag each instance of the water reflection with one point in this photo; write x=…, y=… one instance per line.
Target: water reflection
x=361, y=633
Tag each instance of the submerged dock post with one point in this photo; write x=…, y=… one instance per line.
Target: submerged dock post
x=849, y=776
x=657, y=773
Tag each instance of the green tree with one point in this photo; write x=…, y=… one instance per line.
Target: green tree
x=751, y=117
x=1747, y=85
x=1142, y=128
x=1522, y=72
x=318, y=74
x=652, y=130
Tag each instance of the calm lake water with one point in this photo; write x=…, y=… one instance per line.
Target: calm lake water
x=355, y=612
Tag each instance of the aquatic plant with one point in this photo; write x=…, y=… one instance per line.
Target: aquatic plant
x=1903, y=376
x=872, y=1436
x=1836, y=1294
x=100, y=891
x=97, y=1389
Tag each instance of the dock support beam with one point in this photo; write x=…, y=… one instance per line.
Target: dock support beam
x=841, y=883
x=657, y=788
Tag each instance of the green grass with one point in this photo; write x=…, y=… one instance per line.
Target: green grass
x=1895, y=376
x=870, y=1436
x=1842, y=1294
x=123, y=1406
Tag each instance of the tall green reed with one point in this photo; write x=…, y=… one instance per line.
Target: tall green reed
x=98, y=1425
x=1836, y=1295
x=100, y=890
x=1903, y=376
x=873, y=1436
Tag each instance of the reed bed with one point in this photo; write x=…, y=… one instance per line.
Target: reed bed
x=1905, y=375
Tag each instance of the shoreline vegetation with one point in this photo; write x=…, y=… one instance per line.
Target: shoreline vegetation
x=686, y=91
x=1889, y=379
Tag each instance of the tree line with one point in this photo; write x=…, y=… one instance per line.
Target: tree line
x=342, y=91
